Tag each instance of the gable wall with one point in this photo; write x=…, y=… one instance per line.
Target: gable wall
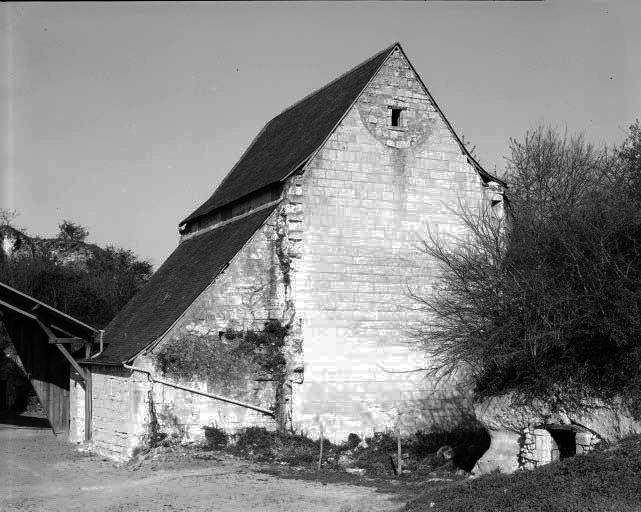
x=365, y=201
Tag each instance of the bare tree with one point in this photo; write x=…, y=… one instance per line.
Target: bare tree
x=550, y=297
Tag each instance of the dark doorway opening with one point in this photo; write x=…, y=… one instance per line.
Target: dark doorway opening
x=565, y=439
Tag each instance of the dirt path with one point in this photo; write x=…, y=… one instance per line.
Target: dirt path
x=41, y=473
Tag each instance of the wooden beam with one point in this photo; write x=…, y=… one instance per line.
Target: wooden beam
x=60, y=329
x=60, y=341
x=17, y=310
x=62, y=349
x=72, y=361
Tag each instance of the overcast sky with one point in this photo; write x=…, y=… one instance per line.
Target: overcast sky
x=124, y=117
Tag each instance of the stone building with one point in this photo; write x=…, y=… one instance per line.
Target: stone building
x=311, y=244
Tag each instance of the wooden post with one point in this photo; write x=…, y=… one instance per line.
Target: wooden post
x=399, y=465
x=320, y=456
x=88, y=403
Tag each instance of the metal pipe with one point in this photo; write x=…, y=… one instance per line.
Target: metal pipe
x=88, y=404
x=101, y=333
x=197, y=392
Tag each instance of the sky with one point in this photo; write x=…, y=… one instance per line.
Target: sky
x=124, y=117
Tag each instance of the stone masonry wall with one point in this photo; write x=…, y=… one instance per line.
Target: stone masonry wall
x=538, y=447
x=119, y=411
x=184, y=414
x=363, y=205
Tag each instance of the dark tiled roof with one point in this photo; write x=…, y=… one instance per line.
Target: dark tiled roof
x=291, y=137
x=176, y=284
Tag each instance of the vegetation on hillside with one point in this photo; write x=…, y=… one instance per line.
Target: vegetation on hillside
x=548, y=297
x=605, y=480
x=81, y=279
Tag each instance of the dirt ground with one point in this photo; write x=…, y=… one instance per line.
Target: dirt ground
x=39, y=472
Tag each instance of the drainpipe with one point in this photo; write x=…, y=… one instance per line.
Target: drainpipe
x=202, y=393
x=101, y=333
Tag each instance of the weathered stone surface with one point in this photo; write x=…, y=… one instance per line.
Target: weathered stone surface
x=367, y=199
x=519, y=435
x=610, y=421
x=502, y=455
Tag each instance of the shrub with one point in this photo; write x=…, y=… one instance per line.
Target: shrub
x=238, y=355
x=258, y=440
x=92, y=286
x=294, y=449
x=353, y=440
x=215, y=438
x=546, y=302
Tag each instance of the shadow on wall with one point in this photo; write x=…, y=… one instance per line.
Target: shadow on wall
x=454, y=425
x=468, y=439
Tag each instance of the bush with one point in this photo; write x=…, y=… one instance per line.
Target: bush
x=546, y=302
x=93, y=285
x=215, y=438
x=285, y=447
x=257, y=440
x=353, y=440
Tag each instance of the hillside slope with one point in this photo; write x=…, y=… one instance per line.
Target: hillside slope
x=608, y=479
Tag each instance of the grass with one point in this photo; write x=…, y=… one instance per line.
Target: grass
x=608, y=479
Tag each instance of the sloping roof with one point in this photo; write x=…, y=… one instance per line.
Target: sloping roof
x=293, y=136
x=176, y=284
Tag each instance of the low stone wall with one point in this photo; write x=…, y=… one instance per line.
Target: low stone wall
x=539, y=447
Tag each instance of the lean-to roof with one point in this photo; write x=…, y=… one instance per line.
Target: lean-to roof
x=176, y=284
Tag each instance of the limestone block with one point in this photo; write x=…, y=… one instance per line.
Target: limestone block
x=502, y=455
x=609, y=420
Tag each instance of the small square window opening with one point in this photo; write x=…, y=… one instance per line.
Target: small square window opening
x=396, y=117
